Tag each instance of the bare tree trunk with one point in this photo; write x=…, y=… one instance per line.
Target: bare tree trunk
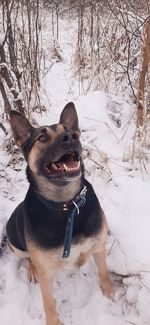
x=143, y=73
x=6, y=75
x=6, y=101
x=18, y=53
x=80, y=34
x=92, y=30
x=53, y=27
x=36, y=71
x=57, y=20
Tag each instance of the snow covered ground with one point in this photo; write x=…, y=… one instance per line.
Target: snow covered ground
x=107, y=137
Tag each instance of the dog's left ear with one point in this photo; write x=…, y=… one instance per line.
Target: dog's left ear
x=69, y=116
x=21, y=127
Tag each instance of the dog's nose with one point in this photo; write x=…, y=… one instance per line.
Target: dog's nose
x=68, y=137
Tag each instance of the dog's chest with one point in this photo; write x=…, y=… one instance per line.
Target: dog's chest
x=77, y=251
x=52, y=260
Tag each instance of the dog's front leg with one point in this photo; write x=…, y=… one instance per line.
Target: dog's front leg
x=105, y=282
x=46, y=285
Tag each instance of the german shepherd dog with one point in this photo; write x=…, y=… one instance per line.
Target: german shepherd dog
x=60, y=223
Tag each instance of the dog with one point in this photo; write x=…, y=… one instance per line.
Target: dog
x=60, y=223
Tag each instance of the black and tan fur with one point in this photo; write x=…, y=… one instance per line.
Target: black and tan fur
x=36, y=230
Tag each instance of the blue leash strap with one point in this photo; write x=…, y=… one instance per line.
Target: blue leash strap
x=69, y=226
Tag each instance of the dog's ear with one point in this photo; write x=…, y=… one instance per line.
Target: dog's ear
x=21, y=127
x=69, y=116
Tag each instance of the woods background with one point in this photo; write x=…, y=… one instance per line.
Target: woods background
x=111, y=51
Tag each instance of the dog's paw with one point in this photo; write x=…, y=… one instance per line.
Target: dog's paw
x=107, y=288
x=54, y=322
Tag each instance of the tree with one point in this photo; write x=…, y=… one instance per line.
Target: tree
x=19, y=55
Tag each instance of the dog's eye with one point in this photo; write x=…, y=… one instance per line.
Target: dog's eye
x=75, y=136
x=42, y=138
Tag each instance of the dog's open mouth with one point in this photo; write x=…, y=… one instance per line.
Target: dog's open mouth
x=67, y=164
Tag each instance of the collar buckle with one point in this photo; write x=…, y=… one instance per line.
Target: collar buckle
x=83, y=192
x=65, y=208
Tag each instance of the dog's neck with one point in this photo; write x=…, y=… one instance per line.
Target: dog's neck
x=55, y=192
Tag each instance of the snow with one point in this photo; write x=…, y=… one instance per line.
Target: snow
x=2, y=37
x=107, y=125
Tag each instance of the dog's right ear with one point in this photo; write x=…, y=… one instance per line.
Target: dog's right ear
x=69, y=116
x=21, y=127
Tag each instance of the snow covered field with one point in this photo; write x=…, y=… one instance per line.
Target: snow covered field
x=124, y=196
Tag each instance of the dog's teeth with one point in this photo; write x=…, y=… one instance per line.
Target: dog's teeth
x=65, y=167
x=54, y=166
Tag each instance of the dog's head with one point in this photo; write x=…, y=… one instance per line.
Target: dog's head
x=53, y=152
